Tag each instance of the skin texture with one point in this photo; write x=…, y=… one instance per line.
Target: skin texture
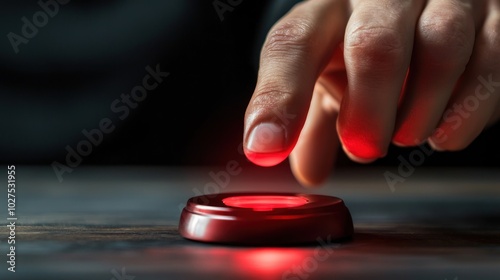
x=365, y=74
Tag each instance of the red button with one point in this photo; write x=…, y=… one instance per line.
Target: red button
x=265, y=218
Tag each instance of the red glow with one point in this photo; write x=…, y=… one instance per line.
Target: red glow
x=362, y=134
x=264, y=202
x=269, y=263
x=266, y=159
x=361, y=147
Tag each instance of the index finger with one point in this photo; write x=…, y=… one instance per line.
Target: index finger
x=295, y=52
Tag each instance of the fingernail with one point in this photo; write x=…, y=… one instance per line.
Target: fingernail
x=433, y=145
x=399, y=144
x=267, y=138
x=416, y=142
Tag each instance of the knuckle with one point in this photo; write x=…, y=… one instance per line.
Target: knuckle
x=270, y=96
x=492, y=41
x=494, y=31
x=290, y=35
x=374, y=46
x=448, y=38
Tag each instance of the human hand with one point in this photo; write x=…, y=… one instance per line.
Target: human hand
x=380, y=71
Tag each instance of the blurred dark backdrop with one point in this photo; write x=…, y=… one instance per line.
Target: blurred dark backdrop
x=85, y=54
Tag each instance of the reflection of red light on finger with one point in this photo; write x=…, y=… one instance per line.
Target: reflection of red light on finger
x=360, y=133
x=266, y=159
x=264, y=202
x=360, y=148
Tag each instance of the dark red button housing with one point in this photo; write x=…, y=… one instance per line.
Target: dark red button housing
x=265, y=218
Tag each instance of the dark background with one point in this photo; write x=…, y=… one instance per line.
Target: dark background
x=66, y=77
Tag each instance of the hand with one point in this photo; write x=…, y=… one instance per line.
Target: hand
x=372, y=72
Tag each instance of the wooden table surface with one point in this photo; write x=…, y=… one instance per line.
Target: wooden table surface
x=121, y=223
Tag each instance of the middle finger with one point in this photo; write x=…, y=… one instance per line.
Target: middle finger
x=444, y=41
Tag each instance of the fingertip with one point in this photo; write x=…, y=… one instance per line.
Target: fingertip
x=359, y=149
x=364, y=138
x=455, y=145
x=400, y=144
x=359, y=159
x=404, y=143
x=311, y=183
x=307, y=177
x=266, y=159
x=434, y=145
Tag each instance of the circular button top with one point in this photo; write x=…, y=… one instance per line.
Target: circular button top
x=264, y=202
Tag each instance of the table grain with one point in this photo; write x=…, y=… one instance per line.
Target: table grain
x=120, y=222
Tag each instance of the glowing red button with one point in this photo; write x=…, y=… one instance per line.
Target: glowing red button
x=265, y=202
x=265, y=218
